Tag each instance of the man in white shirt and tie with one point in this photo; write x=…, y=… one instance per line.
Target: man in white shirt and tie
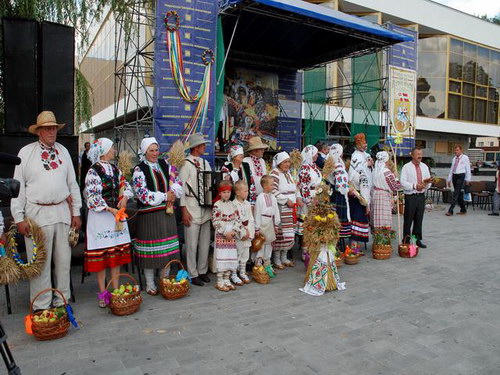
x=460, y=176
x=416, y=179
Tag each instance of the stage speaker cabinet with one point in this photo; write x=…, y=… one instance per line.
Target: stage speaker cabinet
x=57, y=72
x=20, y=50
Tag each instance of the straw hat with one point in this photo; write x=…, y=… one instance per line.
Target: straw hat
x=255, y=143
x=196, y=139
x=45, y=118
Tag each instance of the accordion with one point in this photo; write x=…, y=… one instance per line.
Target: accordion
x=205, y=182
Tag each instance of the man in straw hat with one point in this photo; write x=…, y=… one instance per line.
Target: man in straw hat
x=196, y=218
x=50, y=196
x=256, y=149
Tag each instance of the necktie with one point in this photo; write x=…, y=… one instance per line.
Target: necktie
x=419, y=173
x=455, y=165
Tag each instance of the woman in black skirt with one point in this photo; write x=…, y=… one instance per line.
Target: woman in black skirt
x=156, y=186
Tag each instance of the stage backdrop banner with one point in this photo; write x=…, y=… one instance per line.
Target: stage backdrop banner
x=402, y=110
x=198, y=26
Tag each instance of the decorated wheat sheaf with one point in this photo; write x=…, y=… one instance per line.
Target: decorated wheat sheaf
x=33, y=267
x=176, y=154
x=295, y=159
x=125, y=164
x=321, y=226
x=329, y=167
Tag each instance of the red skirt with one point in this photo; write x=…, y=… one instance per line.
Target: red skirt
x=99, y=259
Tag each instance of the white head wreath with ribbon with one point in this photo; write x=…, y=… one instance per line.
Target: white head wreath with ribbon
x=99, y=148
x=145, y=143
x=279, y=158
x=308, y=154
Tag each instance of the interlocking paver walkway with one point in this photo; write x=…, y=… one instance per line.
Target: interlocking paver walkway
x=436, y=314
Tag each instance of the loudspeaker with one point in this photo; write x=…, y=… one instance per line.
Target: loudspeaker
x=38, y=73
x=20, y=50
x=57, y=65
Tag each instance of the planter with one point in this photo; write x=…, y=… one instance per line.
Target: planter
x=381, y=251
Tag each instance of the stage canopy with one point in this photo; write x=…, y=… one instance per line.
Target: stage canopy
x=294, y=34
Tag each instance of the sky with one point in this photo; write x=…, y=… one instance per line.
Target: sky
x=474, y=7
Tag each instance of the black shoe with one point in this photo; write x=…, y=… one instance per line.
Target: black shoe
x=493, y=214
x=421, y=245
x=197, y=281
x=204, y=278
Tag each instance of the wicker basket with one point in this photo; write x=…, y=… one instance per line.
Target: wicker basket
x=260, y=275
x=49, y=330
x=351, y=260
x=125, y=305
x=339, y=262
x=170, y=290
x=403, y=249
x=381, y=251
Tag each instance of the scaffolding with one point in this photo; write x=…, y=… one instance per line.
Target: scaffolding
x=134, y=63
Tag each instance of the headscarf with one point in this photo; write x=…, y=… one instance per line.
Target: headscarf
x=99, y=148
x=145, y=143
x=308, y=154
x=279, y=158
x=336, y=151
x=234, y=151
x=378, y=173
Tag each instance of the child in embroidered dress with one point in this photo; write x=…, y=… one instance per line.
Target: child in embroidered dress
x=267, y=220
x=227, y=225
x=244, y=241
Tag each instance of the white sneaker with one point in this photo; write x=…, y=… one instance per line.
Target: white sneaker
x=236, y=280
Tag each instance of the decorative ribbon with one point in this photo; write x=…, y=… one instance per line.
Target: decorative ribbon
x=28, y=323
x=71, y=317
x=182, y=274
x=121, y=215
x=176, y=61
x=106, y=296
x=294, y=213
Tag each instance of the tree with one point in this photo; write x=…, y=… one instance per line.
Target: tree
x=79, y=14
x=495, y=19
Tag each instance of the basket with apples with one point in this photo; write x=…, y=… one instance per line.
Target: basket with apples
x=49, y=324
x=126, y=299
x=259, y=273
x=174, y=287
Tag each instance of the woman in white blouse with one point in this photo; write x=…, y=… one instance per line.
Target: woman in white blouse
x=156, y=186
x=288, y=196
x=106, y=192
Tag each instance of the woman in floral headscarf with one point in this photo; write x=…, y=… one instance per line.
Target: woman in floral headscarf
x=156, y=187
x=235, y=169
x=106, y=192
x=339, y=181
x=385, y=184
x=288, y=196
x=309, y=180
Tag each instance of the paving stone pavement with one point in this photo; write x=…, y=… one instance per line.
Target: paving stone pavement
x=435, y=314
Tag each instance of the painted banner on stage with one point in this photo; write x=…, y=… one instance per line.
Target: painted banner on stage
x=402, y=111
x=197, y=26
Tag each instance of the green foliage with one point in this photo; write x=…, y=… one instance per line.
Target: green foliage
x=383, y=236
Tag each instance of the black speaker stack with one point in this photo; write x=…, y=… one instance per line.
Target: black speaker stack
x=38, y=75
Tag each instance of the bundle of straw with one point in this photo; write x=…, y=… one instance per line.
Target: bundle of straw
x=176, y=154
x=329, y=167
x=295, y=159
x=125, y=164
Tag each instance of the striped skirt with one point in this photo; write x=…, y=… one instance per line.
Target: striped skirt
x=156, y=241
x=99, y=259
x=381, y=209
x=285, y=238
x=340, y=206
x=225, y=253
x=359, y=221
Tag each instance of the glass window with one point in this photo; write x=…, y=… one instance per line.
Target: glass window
x=480, y=110
x=489, y=156
x=433, y=44
x=468, y=89
x=431, y=64
x=492, y=115
x=457, y=46
x=482, y=73
x=483, y=53
x=431, y=104
x=481, y=91
x=469, y=73
x=456, y=66
x=470, y=50
x=454, y=106
x=467, y=108
x=455, y=86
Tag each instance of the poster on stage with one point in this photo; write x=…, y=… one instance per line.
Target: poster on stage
x=251, y=106
x=402, y=111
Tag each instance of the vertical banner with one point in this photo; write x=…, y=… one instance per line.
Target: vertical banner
x=290, y=111
x=197, y=25
x=402, y=110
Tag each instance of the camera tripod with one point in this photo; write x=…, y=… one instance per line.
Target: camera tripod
x=12, y=368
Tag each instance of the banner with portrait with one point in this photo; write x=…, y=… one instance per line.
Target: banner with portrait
x=402, y=110
x=250, y=106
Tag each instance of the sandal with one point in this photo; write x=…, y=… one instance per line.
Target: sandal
x=152, y=292
x=245, y=279
x=230, y=286
x=279, y=266
x=290, y=264
x=102, y=304
x=222, y=288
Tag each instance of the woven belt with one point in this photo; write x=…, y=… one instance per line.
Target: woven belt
x=376, y=188
x=267, y=215
x=49, y=204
